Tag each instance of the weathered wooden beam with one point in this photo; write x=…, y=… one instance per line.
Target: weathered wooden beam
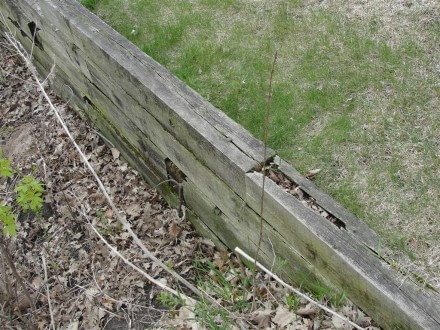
x=200, y=129
x=156, y=120
x=358, y=229
x=346, y=262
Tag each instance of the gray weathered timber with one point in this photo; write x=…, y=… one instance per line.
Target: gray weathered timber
x=347, y=262
x=358, y=229
x=275, y=249
x=153, y=119
x=147, y=84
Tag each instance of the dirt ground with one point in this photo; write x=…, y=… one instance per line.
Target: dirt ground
x=89, y=287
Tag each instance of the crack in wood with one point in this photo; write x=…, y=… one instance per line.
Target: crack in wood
x=272, y=172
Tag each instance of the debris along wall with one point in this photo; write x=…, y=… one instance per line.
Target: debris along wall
x=167, y=131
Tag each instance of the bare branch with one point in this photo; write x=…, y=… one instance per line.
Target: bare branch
x=263, y=166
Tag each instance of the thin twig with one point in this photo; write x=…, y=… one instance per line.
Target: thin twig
x=265, y=140
x=103, y=137
x=52, y=321
x=43, y=83
x=296, y=291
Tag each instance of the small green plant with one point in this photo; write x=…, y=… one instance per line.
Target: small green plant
x=169, y=300
x=324, y=293
x=8, y=220
x=339, y=299
x=5, y=166
x=30, y=194
x=212, y=317
x=292, y=302
x=29, y=197
x=219, y=284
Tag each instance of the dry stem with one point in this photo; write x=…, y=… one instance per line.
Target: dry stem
x=52, y=322
x=265, y=139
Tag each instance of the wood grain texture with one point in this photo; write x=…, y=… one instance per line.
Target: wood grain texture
x=395, y=301
x=150, y=86
x=153, y=118
x=358, y=229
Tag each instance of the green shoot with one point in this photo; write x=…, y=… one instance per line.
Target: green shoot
x=212, y=317
x=5, y=166
x=169, y=300
x=292, y=302
x=30, y=194
x=8, y=220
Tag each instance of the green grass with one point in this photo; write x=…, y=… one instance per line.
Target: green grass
x=217, y=282
x=169, y=300
x=347, y=97
x=90, y=4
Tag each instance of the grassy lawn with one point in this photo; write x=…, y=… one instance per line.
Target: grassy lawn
x=356, y=93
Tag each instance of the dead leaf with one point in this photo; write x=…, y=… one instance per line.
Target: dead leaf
x=312, y=173
x=23, y=303
x=174, y=230
x=107, y=303
x=72, y=326
x=221, y=258
x=297, y=191
x=307, y=311
x=262, y=318
x=109, y=213
x=115, y=153
x=283, y=317
x=133, y=210
x=273, y=176
x=340, y=324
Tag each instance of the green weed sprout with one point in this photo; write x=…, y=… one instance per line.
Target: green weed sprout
x=9, y=220
x=30, y=194
x=29, y=197
x=169, y=301
x=5, y=167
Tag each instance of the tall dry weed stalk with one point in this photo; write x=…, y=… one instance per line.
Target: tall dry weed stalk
x=264, y=169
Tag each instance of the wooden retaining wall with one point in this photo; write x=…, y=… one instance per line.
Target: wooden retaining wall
x=166, y=130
